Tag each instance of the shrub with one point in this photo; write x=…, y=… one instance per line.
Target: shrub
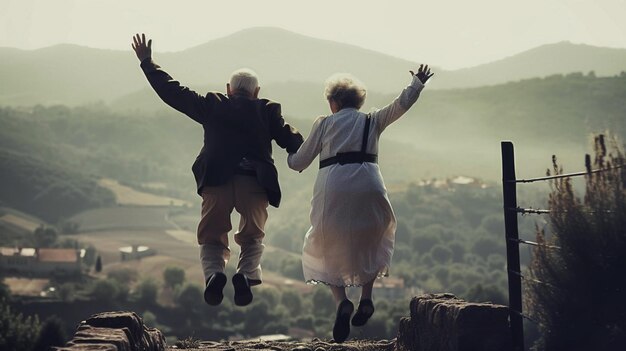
x=105, y=290
x=147, y=292
x=17, y=333
x=173, y=276
x=52, y=334
x=581, y=305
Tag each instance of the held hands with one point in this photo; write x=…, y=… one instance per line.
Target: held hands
x=143, y=49
x=423, y=73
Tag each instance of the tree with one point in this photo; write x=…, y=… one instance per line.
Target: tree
x=17, y=333
x=292, y=300
x=323, y=301
x=147, y=291
x=5, y=292
x=45, y=236
x=90, y=256
x=105, y=290
x=173, y=276
x=580, y=304
x=190, y=297
x=52, y=334
x=66, y=292
x=98, y=264
x=488, y=293
x=258, y=317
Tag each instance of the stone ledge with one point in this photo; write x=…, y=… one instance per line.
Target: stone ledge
x=116, y=331
x=443, y=322
x=437, y=322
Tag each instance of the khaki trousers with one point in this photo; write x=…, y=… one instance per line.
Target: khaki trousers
x=244, y=194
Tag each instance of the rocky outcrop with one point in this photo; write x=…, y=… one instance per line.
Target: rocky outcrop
x=115, y=331
x=438, y=322
x=442, y=322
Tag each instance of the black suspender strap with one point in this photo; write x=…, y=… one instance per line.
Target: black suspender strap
x=366, y=134
x=354, y=156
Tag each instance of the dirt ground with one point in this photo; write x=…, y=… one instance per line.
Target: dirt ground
x=314, y=345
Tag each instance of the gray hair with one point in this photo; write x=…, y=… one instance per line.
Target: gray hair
x=345, y=90
x=244, y=80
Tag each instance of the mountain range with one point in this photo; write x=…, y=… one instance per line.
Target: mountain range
x=73, y=75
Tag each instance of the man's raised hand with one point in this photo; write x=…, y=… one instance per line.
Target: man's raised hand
x=423, y=73
x=142, y=49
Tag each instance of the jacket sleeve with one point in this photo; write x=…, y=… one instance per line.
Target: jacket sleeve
x=285, y=135
x=173, y=93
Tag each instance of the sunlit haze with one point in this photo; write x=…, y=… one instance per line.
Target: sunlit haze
x=449, y=34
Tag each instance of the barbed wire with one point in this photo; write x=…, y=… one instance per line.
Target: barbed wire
x=532, y=243
x=526, y=317
x=530, y=210
x=536, y=281
x=558, y=176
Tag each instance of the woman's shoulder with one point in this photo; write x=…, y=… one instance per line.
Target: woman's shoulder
x=320, y=119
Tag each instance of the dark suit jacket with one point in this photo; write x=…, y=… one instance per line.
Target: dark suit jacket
x=234, y=127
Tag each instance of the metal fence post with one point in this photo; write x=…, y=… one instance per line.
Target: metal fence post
x=509, y=193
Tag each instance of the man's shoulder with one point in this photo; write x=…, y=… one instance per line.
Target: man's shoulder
x=268, y=102
x=216, y=96
x=272, y=107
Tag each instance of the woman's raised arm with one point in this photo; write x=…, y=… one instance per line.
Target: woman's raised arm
x=390, y=113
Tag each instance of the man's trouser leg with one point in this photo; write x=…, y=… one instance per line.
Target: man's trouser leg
x=251, y=203
x=217, y=204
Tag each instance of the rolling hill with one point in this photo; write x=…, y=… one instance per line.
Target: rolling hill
x=71, y=75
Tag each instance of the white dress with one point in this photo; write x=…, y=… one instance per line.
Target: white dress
x=353, y=226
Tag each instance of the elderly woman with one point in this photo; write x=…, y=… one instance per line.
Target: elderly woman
x=351, y=239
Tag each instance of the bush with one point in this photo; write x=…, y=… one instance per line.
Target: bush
x=147, y=292
x=105, y=290
x=190, y=297
x=17, y=333
x=123, y=275
x=52, y=334
x=173, y=276
x=581, y=305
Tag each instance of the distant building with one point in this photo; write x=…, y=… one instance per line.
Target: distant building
x=40, y=262
x=390, y=288
x=135, y=252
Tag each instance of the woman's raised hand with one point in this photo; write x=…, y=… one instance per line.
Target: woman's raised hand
x=142, y=49
x=423, y=73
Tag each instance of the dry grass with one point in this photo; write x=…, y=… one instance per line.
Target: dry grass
x=20, y=222
x=129, y=196
x=26, y=286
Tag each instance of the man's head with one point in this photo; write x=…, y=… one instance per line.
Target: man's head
x=243, y=81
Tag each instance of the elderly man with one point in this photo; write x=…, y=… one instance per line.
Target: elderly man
x=234, y=169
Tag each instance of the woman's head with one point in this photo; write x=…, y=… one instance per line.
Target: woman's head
x=344, y=91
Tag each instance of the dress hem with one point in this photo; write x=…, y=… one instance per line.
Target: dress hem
x=318, y=282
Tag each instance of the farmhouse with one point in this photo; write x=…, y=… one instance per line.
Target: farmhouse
x=135, y=252
x=40, y=262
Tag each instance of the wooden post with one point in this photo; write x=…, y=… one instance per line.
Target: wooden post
x=509, y=194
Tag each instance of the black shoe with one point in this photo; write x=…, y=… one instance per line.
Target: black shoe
x=213, y=292
x=341, y=330
x=243, y=294
x=363, y=313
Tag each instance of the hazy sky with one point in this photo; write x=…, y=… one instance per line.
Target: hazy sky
x=445, y=33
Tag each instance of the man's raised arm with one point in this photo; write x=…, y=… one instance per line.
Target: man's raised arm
x=169, y=90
